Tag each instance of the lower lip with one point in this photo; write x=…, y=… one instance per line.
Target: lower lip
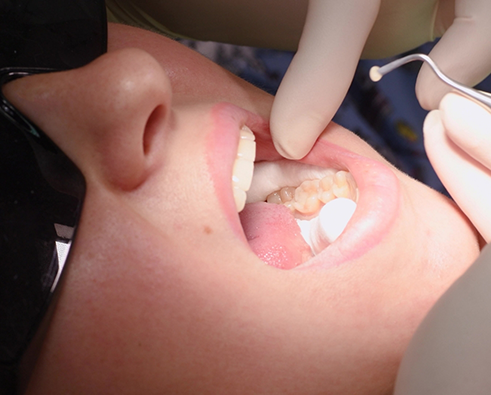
x=377, y=207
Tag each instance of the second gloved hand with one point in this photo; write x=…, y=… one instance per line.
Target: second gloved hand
x=458, y=143
x=337, y=33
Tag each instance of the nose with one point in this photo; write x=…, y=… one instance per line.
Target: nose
x=104, y=116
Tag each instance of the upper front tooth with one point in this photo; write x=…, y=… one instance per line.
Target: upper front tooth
x=242, y=176
x=246, y=149
x=243, y=166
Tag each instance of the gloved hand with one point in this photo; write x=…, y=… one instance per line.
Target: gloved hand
x=450, y=353
x=458, y=143
x=334, y=36
x=337, y=32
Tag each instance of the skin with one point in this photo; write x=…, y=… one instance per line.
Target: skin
x=163, y=295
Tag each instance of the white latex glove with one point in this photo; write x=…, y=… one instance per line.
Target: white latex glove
x=450, y=353
x=334, y=36
x=458, y=144
x=320, y=73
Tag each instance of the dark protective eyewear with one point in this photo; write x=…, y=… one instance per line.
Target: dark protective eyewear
x=41, y=190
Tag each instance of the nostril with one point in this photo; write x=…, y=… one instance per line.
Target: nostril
x=155, y=122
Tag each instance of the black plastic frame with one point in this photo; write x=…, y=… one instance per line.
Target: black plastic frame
x=41, y=190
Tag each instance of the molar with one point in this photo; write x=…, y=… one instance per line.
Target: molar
x=306, y=200
x=273, y=176
x=306, y=197
x=344, y=185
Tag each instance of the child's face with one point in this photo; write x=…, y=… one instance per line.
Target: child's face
x=164, y=295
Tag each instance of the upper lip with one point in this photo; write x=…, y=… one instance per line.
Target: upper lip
x=221, y=149
x=378, y=185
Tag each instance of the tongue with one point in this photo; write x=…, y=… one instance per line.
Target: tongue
x=274, y=235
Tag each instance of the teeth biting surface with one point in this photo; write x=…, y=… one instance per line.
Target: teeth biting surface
x=344, y=186
x=243, y=167
x=310, y=196
x=322, y=204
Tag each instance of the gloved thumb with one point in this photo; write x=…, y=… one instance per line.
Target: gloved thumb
x=319, y=76
x=463, y=53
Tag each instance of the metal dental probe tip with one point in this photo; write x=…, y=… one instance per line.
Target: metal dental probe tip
x=376, y=73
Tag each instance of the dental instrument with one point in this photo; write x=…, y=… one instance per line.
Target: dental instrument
x=377, y=72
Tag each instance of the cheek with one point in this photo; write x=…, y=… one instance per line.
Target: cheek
x=180, y=198
x=121, y=315
x=433, y=245
x=446, y=237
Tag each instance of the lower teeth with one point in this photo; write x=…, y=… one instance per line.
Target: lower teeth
x=306, y=200
x=322, y=207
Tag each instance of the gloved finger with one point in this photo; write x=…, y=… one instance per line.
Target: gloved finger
x=467, y=180
x=463, y=52
x=320, y=73
x=468, y=125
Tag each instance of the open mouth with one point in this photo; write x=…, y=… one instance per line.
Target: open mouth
x=331, y=207
x=326, y=209
x=294, y=211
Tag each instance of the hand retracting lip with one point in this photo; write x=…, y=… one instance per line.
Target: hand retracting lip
x=377, y=72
